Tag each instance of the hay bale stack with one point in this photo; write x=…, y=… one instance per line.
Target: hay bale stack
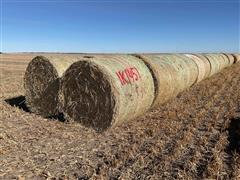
x=172, y=72
x=106, y=91
x=203, y=66
x=42, y=81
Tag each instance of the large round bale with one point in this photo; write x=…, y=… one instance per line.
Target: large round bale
x=226, y=60
x=164, y=75
x=105, y=91
x=172, y=72
x=217, y=62
x=190, y=67
x=236, y=58
x=42, y=81
x=207, y=63
x=203, y=66
x=230, y=58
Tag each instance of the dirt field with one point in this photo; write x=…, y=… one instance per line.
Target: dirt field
x=194, y=136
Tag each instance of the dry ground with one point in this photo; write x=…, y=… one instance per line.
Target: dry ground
x=194, y=136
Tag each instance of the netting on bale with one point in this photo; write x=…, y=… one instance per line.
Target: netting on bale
x=42, y=83
x=173, y=73
x=203, y=66
x=105, y=91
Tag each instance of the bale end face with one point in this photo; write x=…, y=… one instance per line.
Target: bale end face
x=41, y=85
x=87, y=95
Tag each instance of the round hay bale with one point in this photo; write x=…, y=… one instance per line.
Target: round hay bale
x=42, y=81
x=172, y=73
x=203, y=66
x=216, y=63
x=207, y=64
x=236, y=57
x=230, y=58
x=191, y=68
x=106, y=91
x=163, y=74
x=226, y=61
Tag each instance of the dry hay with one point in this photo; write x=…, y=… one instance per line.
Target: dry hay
x=203, y=66
x=230, y=58
x=236, y=57
x=173, y=74
x=104, y=91
x=227, y=60
x=207, y=62
x=42, y=82
x=217, y=61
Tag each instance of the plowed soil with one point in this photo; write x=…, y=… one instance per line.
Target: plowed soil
x=194, y=136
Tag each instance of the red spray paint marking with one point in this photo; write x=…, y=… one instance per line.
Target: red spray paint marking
x=128, y=75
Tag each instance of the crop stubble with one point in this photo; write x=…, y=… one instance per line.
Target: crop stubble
x=189, y=137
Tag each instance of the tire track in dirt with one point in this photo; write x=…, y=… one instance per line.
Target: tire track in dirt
x=221, y=126
x=185, y=158
x=182, y=143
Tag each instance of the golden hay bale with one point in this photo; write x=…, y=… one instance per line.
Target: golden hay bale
x=226, y=60
x=163, y=74
x=207, y=63
x=217, y=62
x=106, y=91
x=192, y=69
x=230, y=58
x=203, y=66
x=236, y=57
x=42, y=81
x=173, y=74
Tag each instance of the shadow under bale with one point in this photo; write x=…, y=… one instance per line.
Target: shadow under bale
x=20, y=102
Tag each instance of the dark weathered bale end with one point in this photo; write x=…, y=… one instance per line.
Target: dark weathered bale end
x=106, y=91
x=42, y=81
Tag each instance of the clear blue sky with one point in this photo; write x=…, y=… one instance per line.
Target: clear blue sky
x=120, y=26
